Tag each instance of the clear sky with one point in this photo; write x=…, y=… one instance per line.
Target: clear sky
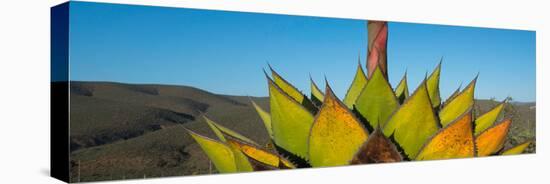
x=225, y=52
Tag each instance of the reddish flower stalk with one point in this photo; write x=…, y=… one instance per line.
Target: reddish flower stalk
x=377, y=47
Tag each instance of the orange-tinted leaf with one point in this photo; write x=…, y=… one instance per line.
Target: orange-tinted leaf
x=377, y=149
x=336, y=134
x=260, y=166
x=454, y=141
x=258, y=154
x=492, y=140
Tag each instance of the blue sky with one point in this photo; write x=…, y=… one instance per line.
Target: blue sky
x=225, y=52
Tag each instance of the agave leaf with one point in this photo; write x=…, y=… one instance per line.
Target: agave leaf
x=219, y=153
x=377, y=149
x=452, y=96
x=454, y=141
x=359, y=82
x=413, y=123
x=290, y=121
x=377, y=100
x=517, y=149
x=486, y=120
x=222, y=133
x=492, y=140
x=292, y=91
x=241, y=161
x=433, y=86
x=402, y=89
x=258, y=154
x=260, y=166
x=458, y=105
x=266, y=118
x=219, y=130
x=316, y=95
x=336, y=134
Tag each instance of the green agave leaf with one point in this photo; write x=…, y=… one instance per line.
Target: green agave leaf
x=377, y=149
x=219, y=130
x=241, y=161
x=492, y=140
x=222, y=133
x=359, y=82
x=517, y=149
x=290, y=121
x=220, y=154
x=377, y=100
x=458, y=105
x=336, y=134
x=486, y=120
x=266, y=118
x=402, y=89
x=433, y=86
x=454, y=141
x=413, y=123
x=292, y=91
x=316, y=95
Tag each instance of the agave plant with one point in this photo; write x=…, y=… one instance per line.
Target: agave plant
x=374, y=123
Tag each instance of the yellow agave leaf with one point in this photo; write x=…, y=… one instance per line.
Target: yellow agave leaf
x=377, y=149
x=219, y=130
x=259, y=155
x=486, y=120
x=413, y=123
x=266, y=118
x=220, y=154
x=285, y=86
x=517, y=149
x=291, y=91
x=402, y=89
x=454, y=141
x=452, y=96
x=316, y=94
x=359, y=82
x=492, y=140
x=290, y=121
x=433, y=86
x=377, y=100
x=336, y=134
x=458, y=105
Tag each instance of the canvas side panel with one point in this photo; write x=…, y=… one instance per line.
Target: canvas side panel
x=59, y=92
